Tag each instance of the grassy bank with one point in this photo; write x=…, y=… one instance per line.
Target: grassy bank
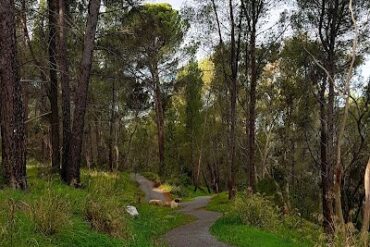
x=53, y=214
x=288, y=231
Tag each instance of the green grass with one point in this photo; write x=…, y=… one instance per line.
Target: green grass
x=188, y=192
x=230, y=229
x=247, y=236
x=18, y=228
x=220, y=203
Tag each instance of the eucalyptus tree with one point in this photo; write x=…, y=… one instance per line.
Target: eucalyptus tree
x=331, y=24
x=155, y=32
x=254, y=12
x=72, y=174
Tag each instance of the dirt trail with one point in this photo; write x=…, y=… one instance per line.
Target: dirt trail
x=195, y=234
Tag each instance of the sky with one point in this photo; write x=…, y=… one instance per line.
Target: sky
x=177, y=4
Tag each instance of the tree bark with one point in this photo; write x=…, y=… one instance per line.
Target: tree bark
x=53, y=90
x=252, y=112
x=366, y=207
x=111, y=127
x=159, y=117
x=65, y=83
x=233, y=95
x=12, y=108
x=326, y=179
x=74, y=158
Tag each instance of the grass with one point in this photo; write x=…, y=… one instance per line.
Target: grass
x=247, y=236
x=220, y=203
x=26, y=218
x=230, y=229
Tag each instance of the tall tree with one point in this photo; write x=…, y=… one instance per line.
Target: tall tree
x=157, y=31
x=65, y=82
x=230, y=70
x=53, y=88
x=253, y=11
x=12, y=108
x=234, y=65
x=72, y=175
x=193, y=97
x=331, y=21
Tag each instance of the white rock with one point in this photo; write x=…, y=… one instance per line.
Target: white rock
x=131, y=210
x=174, y=204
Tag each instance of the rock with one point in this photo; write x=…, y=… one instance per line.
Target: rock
x=131, y=210
x=156, y=202
x=174, y=204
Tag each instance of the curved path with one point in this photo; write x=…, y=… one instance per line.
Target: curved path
x=195, y=234
x=147, y=186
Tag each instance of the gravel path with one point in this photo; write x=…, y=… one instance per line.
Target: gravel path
x=195, y=234
x=147, y=186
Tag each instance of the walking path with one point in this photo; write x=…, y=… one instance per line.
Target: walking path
x=195, y=234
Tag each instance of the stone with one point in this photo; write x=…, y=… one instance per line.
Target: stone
x=131, y=210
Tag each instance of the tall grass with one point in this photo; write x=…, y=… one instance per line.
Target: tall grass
x=52, y=214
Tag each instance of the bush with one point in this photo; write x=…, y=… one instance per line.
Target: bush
x=50, y=213
x=106, y=217
x=256, y=211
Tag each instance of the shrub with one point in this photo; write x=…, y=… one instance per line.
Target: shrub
x=106, y=217
x=256, y=211
x=50, y=213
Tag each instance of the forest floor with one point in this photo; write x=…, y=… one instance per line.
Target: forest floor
x=194, y=234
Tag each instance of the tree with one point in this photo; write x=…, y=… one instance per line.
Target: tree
x=253, y=11
x=12, y=108
x=157, y=31
x=72, y=175
x=53, y=88
x=192, y=79
x=65, y=82
x=230, y=70
x=332, y=23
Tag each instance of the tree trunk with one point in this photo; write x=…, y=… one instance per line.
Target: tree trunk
x=159, y=118
x=65, y=83
x=326, y=181
x=53, y=90
x=366, y=207
x=74, y=158
x=233, y=95
x=252, y=113
x=94, y=144
x=111, y=127
x=12, y=108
